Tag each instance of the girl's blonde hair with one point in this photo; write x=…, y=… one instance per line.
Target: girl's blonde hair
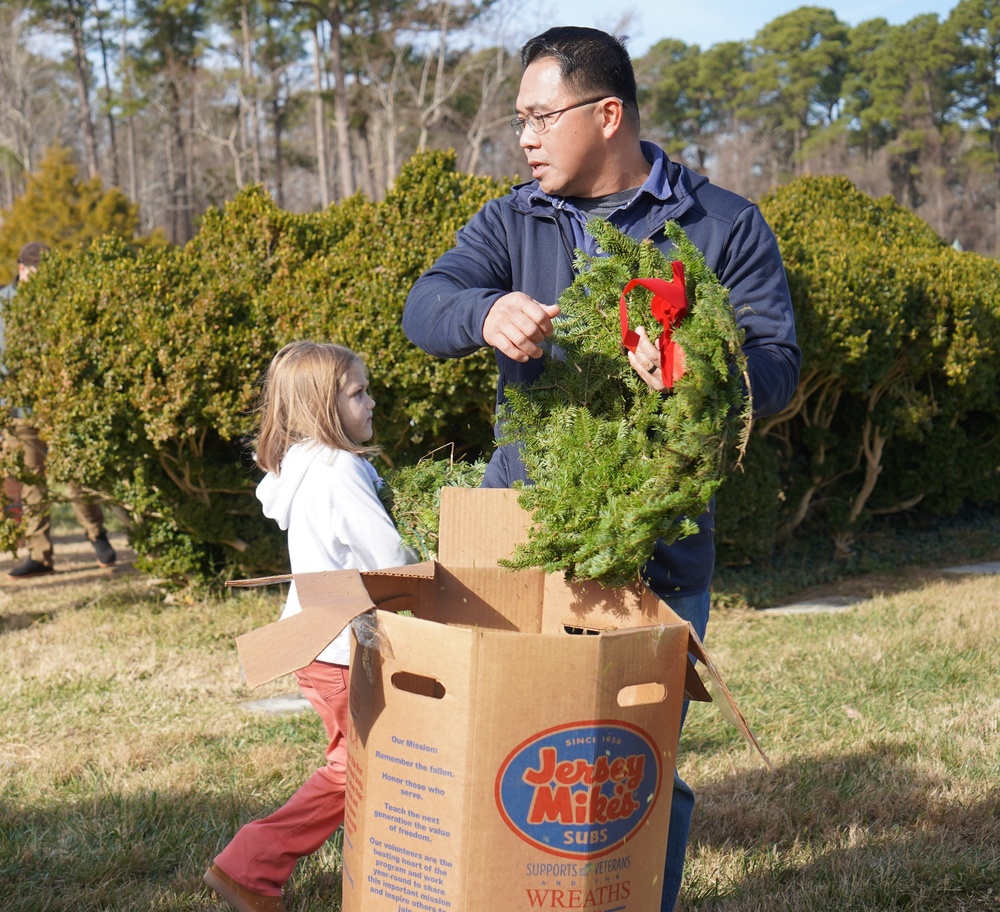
x=298, y=401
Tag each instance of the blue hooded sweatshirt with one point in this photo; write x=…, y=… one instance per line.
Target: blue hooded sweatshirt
x=525, y=242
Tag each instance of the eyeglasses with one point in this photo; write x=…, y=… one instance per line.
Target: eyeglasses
x=536, y=122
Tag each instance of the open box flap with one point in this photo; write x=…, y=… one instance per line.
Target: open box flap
x=719, y=693
x=284, y=646
x=694, y=688
x=425, y=569
x=258, y=581
x=330, y=600
x=479, y=526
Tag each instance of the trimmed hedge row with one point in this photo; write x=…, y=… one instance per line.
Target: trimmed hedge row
x=897, y=406
x=142, y=364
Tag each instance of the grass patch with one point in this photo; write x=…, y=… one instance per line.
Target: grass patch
x=128, y=761
x=886, y=552
x=882, y=726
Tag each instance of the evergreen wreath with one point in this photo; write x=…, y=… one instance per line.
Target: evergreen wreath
x=615, y=464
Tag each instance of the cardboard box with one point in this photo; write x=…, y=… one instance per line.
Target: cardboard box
x=514, y=740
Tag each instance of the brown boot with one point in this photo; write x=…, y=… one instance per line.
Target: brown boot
x=240, y=897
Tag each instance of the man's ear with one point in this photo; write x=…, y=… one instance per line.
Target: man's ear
x=613, y=113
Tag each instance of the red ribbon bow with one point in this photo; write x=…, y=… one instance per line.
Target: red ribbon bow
x=669, y=305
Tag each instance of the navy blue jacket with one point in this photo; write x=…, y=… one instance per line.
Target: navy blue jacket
x=525, y=242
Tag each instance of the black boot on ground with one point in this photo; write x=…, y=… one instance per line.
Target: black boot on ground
x=30, y=567
x=105, y=553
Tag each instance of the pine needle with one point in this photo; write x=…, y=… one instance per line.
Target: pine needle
x=412, y=495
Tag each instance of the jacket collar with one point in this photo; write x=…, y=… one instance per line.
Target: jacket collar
x=666, y=194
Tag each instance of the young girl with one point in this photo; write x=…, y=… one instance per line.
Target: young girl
x=316, y=416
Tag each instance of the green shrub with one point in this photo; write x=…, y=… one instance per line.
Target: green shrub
x=354, y=295
x=143, y=364
x=896, y=404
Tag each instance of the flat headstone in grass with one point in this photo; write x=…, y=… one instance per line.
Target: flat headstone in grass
x=286, y=703
x=825, y=604
x=989, y=568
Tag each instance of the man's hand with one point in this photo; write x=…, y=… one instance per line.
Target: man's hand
x=645, y=360
x=516, y=323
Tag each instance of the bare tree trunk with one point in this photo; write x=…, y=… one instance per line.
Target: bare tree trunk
x=391, y=135
x=341, y=114
x=133, y=168
x=248, y=93
x=191, y=201
x=996, y=224
x=277, y=129
x=127, y=100
x=80, y=70
x=174, y=233
x=430, y=113
x=109, y=103
x=386, y=93
x=996, y=199
x=233, y=147
x=19, y=75
x=492, y=81
x=7, y=199
x=364, y=163
x=179, y=169
x=322, y=167
x=424, y=76
x=374, y=148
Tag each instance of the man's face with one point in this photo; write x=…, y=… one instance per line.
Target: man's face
x=568, y=156
x=25, y=272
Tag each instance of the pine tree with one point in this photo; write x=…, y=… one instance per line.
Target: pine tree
x=617, y=465
x=61, y=209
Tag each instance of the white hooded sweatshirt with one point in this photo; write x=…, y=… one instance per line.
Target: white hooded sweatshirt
x=327, y=501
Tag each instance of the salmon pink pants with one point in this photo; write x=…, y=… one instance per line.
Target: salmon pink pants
x=263, y=854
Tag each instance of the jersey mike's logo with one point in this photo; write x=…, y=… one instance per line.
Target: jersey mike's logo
x=579, y=790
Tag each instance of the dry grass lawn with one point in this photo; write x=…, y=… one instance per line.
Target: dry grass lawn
x=128, y=756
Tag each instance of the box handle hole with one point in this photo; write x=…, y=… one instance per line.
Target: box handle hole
x=641, y=694
x=420, y=685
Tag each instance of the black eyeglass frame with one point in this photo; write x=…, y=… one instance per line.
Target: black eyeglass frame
x=519, y=123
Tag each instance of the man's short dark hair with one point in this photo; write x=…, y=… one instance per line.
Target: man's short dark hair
x=31, y=254
x=591, y=61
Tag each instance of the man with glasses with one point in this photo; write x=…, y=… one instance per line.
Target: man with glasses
x=577, y=121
